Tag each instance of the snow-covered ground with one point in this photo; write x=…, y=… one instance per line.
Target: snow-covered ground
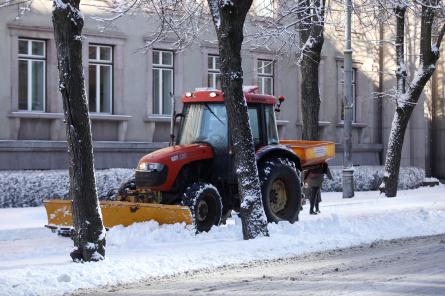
x=34, y=261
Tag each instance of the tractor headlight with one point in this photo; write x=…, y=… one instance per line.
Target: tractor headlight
x=150, y=167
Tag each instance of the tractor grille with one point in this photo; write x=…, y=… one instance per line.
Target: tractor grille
x=150, y=179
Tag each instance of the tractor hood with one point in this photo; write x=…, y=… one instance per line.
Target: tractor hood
x=168, y=162
x=178, y=153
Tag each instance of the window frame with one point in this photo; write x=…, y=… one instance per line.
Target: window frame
x=214, y=72
x=263, y=76
x=161, y=67
x=29, y=58
x=98, y=63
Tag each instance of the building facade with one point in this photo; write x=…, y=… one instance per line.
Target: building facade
x=129, y=93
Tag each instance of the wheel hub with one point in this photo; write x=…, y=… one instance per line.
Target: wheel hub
x=278, y=196
x=203, y=210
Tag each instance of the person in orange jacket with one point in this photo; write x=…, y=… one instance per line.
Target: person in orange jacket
x=313, y=180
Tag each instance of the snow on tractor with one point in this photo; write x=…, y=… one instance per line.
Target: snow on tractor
x=194, y=181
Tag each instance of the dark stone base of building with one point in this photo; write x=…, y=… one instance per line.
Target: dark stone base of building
x=49, y=155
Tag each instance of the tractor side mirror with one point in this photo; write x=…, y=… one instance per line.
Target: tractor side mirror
x=180, y=116
x=280, y=101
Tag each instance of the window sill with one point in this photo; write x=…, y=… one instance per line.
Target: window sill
x=48, y=115
x=282, y=122
x=354, y=124
x=35, y=114
x=56, y=121
x=157, y=118
x=320, y=123
x=110, y=117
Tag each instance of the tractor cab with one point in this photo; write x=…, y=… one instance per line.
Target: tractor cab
x=204, y=120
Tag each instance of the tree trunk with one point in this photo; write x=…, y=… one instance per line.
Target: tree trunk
x=89, y=236
x=406, y=101
x=310, y=96
x=230, y=38
x=394, y=153
x=400, y=52
x=311, y=43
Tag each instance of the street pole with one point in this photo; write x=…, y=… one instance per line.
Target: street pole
x=348, y=170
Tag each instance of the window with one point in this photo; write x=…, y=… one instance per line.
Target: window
x=32, y=72
x=213, y=76
x=163, y=69
x=341, y=87
x=263, y=8
x=254, y=124
x=265, y=77
x=100, y=87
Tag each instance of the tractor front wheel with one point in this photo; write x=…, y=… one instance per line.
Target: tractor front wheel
x=280, y=189
x=205, y=204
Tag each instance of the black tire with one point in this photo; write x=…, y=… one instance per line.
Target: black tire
x=205, y=204
x=121, y=192
x=130, y=184
x=280, y=175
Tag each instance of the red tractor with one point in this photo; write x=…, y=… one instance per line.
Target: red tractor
x=197, y=172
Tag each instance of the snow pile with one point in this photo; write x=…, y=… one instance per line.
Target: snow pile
x=368, y=178
x=34, y=261
x=29, y=188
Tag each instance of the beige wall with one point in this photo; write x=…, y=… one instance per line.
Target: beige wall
x=132, y=119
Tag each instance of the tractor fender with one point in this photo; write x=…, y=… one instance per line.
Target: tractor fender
x=278, y=150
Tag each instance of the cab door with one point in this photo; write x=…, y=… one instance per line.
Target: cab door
x=255, y=115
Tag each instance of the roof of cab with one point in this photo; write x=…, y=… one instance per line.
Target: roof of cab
x=211, y=96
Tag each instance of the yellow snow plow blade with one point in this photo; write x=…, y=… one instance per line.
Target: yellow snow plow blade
x=114, y=213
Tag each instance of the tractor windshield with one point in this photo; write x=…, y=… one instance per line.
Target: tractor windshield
x=204, y=123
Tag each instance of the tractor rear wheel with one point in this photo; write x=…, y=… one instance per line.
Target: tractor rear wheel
x=280, y=189
x=205, y=204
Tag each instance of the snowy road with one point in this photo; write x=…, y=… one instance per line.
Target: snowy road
x=414, y=266
x=34, y=261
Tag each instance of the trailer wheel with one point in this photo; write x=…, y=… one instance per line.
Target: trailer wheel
x=205, y=204
x=280, y=189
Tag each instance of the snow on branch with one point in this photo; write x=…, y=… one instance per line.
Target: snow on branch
x=6, y=3
x=118, y=10
x=214, y=11
x=22, y=5
x=178, y=23
x=280, y=29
